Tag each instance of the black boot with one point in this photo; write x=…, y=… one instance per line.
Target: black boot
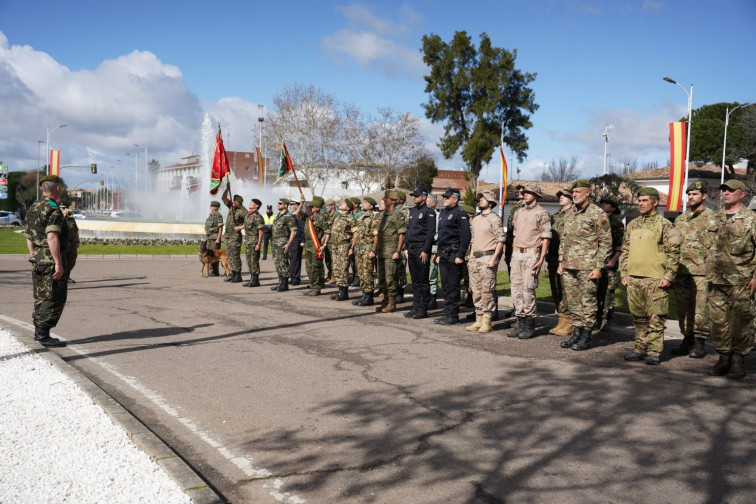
x=433, y=303
x=737, y=367
x=278, y=285
x=236, y=277
x=421, y=313
x=685, y=347
x=42, y=336
x=357, y=302
x=573, y=339
x=215, y=271
x=230, y=278
x=699, y=349
x=529, y=330
x=342, y=295
x=368, y=301
x=284, y=284
x=584, y=343
x=518, y=328
x=400, y=296
x=411, y=312
x=722, y=367
x=251, y=279
x=355, y=281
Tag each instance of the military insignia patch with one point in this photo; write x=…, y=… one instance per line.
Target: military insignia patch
x=450, y=217
x=420, y=216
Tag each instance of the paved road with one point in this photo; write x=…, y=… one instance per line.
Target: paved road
x=284, y=398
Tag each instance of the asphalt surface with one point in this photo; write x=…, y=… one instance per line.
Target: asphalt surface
x=279, y=397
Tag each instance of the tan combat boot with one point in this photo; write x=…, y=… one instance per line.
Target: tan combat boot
x=383, y=304
x=568, y=329
x=478, y=322
x=559, y=328
x=390, y=306
x=485, y=326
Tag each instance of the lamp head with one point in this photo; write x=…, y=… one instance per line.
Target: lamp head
x=670, y=80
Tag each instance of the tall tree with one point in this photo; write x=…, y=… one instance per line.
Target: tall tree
x=394, y=141
x=563, y=171
x=479, y=96
x=420, y=173
x=707, y=136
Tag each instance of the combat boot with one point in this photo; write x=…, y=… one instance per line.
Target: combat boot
x=400, y=296
x=584, y=343
x=236, y=277
x=518, y=328
x=410, y=313
x=357, y=302
x=284, y=284
x=229, y=278
x=368, y=301
x=737, y=367
x=433, y=303
x=421, y=313
x=476, y=326
x=342, y=295
x=355, y=281
x=390, y=305
x=250, y=281
x=278, y=285
x=42, y=336
x=529, y=330
x=722, y=367
x=485, y=326
x=573, y=339
x=568, y=329
x=685, y=347
x=559, y=328
x=383, y=304
x=255, y=281
x=699, y=350
x=215, y=270
x=313, y=292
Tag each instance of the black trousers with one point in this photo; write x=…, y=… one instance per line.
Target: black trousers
x=420, y=274
x=451, y=274
x=295, y=262
x=266, y=240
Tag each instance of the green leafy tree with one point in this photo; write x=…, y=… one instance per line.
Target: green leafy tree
x=623, y=189
x=420, y=173
x=480, y=96
x=707, y=136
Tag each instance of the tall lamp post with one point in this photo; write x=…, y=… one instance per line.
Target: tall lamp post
x=607, y=129
x=687, y=145
x=145, y=158
x=727, y=121
x=260, y=119
x=39, y=142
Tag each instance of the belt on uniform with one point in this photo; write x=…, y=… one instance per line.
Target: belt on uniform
x=483, y=253
x=413, y=245
x=523, y=250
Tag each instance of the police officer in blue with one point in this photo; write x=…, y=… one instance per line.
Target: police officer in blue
x=421, y=228
x=453, y=240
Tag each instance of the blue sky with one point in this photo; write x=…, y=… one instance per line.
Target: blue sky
x=121, y=73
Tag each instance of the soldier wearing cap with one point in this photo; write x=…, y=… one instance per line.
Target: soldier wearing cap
x=388, y=242
x=453, y=240
x=650, y=258
x=283, y=236
x=313, y=255
x=690, y=284
x=46, y=241
x=401, y=267
x=268, y=218
x=356, y=213
x=486, y=245
x=362, y=243
x=532, y=232
x=564, y=326
x=254, y=227
x=213, y=232
x=295, y=251
x=433, y=270
x=610, y=277
x=731, y=276
x=509, y=244
x=330, y=212
x=585, y=245
x=339, y=236
x=421, y=228
x=232, y=234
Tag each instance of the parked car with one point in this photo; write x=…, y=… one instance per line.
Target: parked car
x=9, y=218
x=78, y=214
x=124, y=214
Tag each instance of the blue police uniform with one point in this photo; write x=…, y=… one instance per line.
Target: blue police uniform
x=453, y=240
x=421, y=228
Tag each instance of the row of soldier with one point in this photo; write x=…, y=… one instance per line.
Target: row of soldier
x=587, y=252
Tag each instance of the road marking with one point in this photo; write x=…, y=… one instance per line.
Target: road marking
x=245, y=464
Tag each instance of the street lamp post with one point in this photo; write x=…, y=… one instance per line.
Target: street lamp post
x=687, y=145
x=145, y=158
x=39, y=142
x=724, y=145
x=607, y=129
x=50, y=132
x=260, y=119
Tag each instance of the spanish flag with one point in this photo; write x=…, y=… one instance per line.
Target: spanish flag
x=676, y=166
x=504, y=170
x=54, y=166
x=260, y=167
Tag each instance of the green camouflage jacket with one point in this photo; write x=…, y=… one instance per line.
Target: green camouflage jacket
x=253, y=223
x=557, y=226
x=283, y=225
x=732, y=256
x=213, y=224
x=586, y=239
x=390, y=224
x=696, y=241
x=44, y=217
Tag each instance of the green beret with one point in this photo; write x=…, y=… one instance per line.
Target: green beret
x=371, y=200
x=285, y=201
x=317, y=202
x=215, y=204
x=330, y=202
x=648, y=191
x=401, y=194
x=391, y=194
x=581, y=183
x=610, y=200
x=50, y=178
x=698, y=186
x=468, y=209
x=238, y=198
x=356, y=200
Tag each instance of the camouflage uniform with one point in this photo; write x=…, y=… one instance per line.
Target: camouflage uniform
x=340, y=239
x=365, y=265
x=213, y=223
x=650, y=252
x=283, y=225
x=730, y=266
x=610, y=277
x=232, y=237
x=388, y=226
x=253, y=223
x=72, y=232
x=552, y=259
x=585, y=245
x=313, y=264
x=401, y=264
x=50, y=295
x=690, y=284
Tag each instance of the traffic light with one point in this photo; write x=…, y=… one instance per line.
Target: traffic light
x=94, y=168
x=102, y=182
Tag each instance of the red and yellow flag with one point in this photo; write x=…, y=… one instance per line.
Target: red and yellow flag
x=260, y=167
x=504, y=170
x=220, y=169
x=54, y=166
x=313, y=234
x=676, y=166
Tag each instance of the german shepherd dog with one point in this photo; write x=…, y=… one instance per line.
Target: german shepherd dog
x=208, y=257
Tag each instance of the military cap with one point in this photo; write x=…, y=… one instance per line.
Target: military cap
x=451, y=191
x=257, y=202
x=215, y=204
x=582, y=183
x=468, y=209
x=489, y=196
x=390, y=194
x=610, y=200
x=356, y=200
x=330, y=202
x=533, y=189
x=285, y=201
x=419, y=191
x=238, y=198
x=648, y=191
x=50, y=178
x=370, y=200
x=566, y=192
x=401, y=194
x=293, y=202
x=733, y=184
x=698, y=186
x=518, y=187
x=317, y=202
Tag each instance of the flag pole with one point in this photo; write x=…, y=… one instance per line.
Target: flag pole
x=301, y=193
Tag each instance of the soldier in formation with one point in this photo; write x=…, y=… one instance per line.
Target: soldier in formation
x=388, y=242
x=362, y=244
x=564, y=326
x=254, y=229
x=421, y=229
x=610, y=277
x=213, y=232
x=340, y=238
x=232, y=234
x=453, y=240
x=283, y=235
x=314, y=255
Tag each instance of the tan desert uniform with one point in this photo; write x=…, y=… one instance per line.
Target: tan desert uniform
x=532, y=225
x=487, y=232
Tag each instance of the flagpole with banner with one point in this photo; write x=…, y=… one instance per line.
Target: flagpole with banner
x=677, y=168
x=221, y=169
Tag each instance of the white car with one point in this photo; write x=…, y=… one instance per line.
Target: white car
x=78, y=214
x=9, y=218
x=123, y=214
